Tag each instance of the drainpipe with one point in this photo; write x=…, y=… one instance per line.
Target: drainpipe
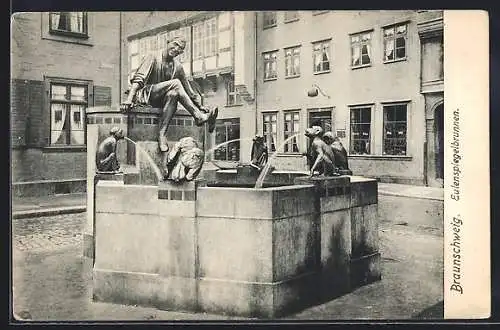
x=120, y=58
x=255, y=76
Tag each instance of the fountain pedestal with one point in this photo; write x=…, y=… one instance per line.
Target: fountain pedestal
x=239, y=251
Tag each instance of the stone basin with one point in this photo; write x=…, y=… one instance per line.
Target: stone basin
x=235, y=250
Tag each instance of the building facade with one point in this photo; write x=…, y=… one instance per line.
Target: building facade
x=373, y=72
x=61, y=63
x=373, y=78
x=377, y=77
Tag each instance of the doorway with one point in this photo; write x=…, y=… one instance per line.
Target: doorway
x=439, y=142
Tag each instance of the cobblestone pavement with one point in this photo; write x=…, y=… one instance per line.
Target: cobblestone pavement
x=47, y=233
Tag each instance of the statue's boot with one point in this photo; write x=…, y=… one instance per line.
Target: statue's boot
x=210, y=119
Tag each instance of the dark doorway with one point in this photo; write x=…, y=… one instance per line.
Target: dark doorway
x=439, y=136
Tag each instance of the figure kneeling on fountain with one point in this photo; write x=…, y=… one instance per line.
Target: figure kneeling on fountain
x=184, y=161
x=320, y=155
x=106, y=160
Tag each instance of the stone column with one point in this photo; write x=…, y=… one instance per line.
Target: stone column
x=99, y=122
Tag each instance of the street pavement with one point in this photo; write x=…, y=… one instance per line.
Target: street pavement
x=53, y=281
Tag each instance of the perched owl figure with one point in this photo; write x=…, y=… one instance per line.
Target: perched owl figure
x=259, y=152
x=185, y=160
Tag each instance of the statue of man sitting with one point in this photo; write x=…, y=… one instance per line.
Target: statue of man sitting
x=162, y=83
x=105, y=158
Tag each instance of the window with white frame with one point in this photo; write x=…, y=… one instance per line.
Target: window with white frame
x=133, y=55
x=270, y=129
x=233, y=96
x=198, y=40
x=210, y=37
x=395, y=42
x=68, y=102
x=395, y=129
x=292, y=62
x=291, y=16
x=290, y=130
x=72, y=23
x=270, y=65
x=269, y=19
x=321, y=56
x=360, y=130
x=205, y=35
x=361, y=49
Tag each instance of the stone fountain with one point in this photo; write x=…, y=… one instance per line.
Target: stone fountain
x=217, y=244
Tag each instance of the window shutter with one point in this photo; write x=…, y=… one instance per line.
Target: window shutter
x=19, y=112
x=102, y=96
x=36, y=121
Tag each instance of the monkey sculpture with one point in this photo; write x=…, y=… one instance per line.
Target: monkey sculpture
x=105, y=159
x=321, y=156
x=338, y=150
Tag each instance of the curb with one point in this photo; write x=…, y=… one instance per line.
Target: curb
x=388, y=193
x=49, y=212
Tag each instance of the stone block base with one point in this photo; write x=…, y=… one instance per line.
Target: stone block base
x=148, y=290
x=257, y=299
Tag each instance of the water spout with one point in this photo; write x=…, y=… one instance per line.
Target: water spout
x=260, y=180
x=211, y=150
x=155, y=167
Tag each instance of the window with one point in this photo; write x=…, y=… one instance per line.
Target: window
x=291, y=129
x=72, y=23
x=211, y=37
x=270, y=130
x=360, y=131
x=270, y=64
x=227, y=130
x=292, y=62
x=198, y=37
x=291, y=16
x=67, y=112
x=361, y=49
x=321, y=56
x=205, y=35
x=269, y=18
x=395, y=126
x=134, y=56
x=395, y=43
x=321, y=117
x=233, y=96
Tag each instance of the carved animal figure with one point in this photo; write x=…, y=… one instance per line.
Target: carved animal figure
x=185, y=160
x=338, y=150
x=259, y=152
x=105, y=158
x=320, y=153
